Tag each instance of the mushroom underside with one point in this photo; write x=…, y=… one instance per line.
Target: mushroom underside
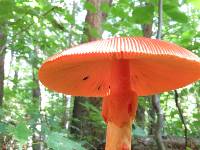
x=148, y=75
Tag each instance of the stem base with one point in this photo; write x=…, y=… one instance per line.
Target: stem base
x=118, y=138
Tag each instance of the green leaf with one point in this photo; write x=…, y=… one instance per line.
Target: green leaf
x=143, y=15
x=188, y=148
x=3, y=128
x=195, y=3
x=184, y=92
x=58, y=141
x=174, y=13
x=6, y=9
x=20, y=132
x=89, y=6
x=57, y=25
x=118, y=12
x=105, y=7
x=197, y=116
x=109, y=27
x=70, y=18
x=124, y=2
x=139, y=131
x=191, y=90
x=196, y=124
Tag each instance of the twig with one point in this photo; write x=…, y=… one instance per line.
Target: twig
x=25, y=29
x=31, y=24
x=176, y=96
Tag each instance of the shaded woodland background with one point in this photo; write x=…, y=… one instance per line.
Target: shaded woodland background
x=32, y=117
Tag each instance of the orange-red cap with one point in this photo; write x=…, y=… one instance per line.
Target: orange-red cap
x=156, y=66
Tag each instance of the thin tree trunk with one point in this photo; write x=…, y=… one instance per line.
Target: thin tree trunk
x=64, y=117
x=159, y=124
x=176, y=97
x=82, y=127
x=156, y=98
x=36, y=94
x=2, y=57
x=2, y=61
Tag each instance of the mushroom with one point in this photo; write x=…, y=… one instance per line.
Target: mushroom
x=120, y=69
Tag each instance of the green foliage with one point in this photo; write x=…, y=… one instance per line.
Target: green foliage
x=3, y=128
x=195, y=3
x=105, y=7
x=6, y=8
x=58, y=141
x=20, y=132
x=172, y=10
x=143, y=15
x=70, y=18
x=89, y=6
x=118, y=11
x=94, y=114
x=109, y=27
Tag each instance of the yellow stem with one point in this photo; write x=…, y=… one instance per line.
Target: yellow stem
x=118, y=138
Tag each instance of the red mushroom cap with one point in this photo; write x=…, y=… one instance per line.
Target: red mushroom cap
x=155, y=66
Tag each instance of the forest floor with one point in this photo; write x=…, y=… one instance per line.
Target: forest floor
x=171, y=143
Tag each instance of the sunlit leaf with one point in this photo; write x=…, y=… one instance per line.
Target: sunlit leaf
x=110, y=28
x=105, y=7
x=118, y=11
x=173, y=12
x=195, y=3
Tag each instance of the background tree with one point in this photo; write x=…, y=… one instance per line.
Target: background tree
x=92, y=31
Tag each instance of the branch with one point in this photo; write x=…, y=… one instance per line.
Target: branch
x=176, y=96
x=25, y=29
x=31, y=24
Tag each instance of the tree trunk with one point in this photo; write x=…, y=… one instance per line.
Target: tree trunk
x=36, y=94
x=83, y=127
x=2, y=57
x=156, y=98
x=64, y=117
x=159, y=123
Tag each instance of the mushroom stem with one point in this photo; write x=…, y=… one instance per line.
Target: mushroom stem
x=118, y=138
x=119, y=108
x=119, y=111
